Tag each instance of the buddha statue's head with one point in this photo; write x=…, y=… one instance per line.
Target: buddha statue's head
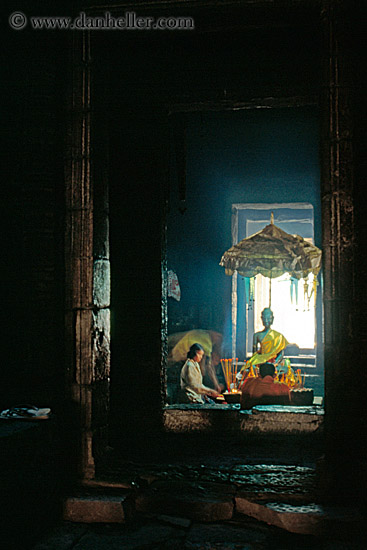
x=267, y=317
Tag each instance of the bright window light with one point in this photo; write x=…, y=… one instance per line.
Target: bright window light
x=293, y=305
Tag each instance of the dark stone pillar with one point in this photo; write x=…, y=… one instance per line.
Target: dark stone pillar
x=342, y=392
x=101, y=338
x=139, y=168
x=87, y=258
x=79, y=258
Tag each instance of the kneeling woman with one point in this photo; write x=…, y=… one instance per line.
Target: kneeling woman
x=191, y=379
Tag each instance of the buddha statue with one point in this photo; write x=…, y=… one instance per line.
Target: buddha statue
x=268, y=344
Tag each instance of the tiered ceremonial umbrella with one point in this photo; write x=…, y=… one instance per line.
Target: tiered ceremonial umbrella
x=272, y=252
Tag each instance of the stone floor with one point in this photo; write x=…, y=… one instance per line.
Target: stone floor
x=210, y=502
x=203, y=494
x=176, y=533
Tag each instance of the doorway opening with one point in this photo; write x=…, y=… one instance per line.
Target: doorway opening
x=234, y=159
x=296, y=304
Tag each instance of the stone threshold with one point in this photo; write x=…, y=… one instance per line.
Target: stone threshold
x=274, y=419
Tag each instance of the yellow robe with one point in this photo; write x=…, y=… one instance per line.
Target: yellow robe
x=272, y=344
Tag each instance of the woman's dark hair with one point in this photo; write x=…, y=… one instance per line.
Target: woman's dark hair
x=193, y=350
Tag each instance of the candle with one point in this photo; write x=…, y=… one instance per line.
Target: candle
x=227, y=377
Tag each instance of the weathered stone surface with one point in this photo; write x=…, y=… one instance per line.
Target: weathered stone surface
x=101, y=283
x=101, y=345
x=243, y=533
x=95, y=509
x=100, y=406
x=147, y=536
x=263, y=419
x=106, y=483
x=307, y=519
x=205, y=418
x=82, y=335
x=178, y=522
x=79, y=259
x=226, y=534
x=353, y=544
x=201, y=502
x=288, y=409
x=296, y=521
x=101, y=243
x=277, y=479
x=100, y=376
x=280, y=479
x=63, y=538
x=282, y=420
x=149, y=478
x=220, y=546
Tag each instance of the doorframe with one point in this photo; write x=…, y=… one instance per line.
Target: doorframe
x=338, y=245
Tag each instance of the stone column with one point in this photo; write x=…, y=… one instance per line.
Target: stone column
x=339, y=253
x=87, y=258
x=101, y=262
x=79, y=257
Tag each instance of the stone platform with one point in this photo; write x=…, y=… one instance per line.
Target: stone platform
x=271, y=419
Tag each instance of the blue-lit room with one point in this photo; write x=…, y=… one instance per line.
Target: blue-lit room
x=230, y=170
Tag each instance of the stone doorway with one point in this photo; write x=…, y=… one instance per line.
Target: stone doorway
x=87, y=255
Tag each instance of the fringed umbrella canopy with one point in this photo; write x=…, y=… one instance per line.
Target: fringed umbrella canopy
x=272, y=252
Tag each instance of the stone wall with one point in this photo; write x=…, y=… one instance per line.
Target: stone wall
x=34, y=125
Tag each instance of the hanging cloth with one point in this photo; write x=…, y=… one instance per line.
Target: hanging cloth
x=294, y=290
x=174, y=290
x=249, y=291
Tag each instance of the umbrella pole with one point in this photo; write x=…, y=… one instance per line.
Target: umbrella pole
x=270, y=292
